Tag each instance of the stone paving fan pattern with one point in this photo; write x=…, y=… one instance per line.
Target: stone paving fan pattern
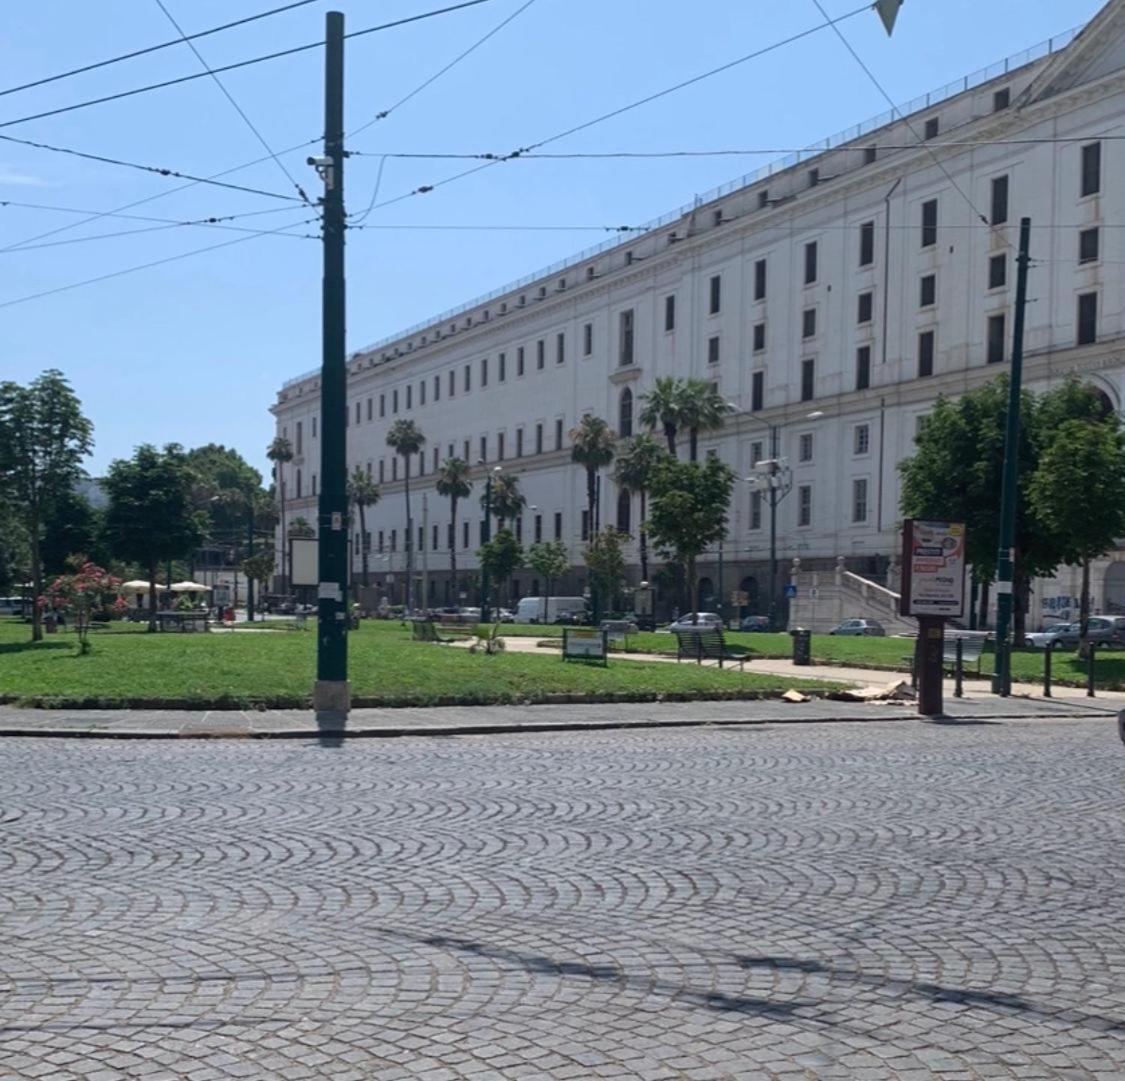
x=854, y=901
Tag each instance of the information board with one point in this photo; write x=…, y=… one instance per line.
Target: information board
x=584, y=643
x=303, y=561
x=933, y=568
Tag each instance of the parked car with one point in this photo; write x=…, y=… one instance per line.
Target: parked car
x=503, y=615
x=1108, y=632
x=754, y=623
x=549, y=609
x=1047, y=636
x=694, y=620
x=870, y=627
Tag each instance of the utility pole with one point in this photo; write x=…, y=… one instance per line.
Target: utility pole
x=425, y=560
x=1002, y=679
x=331, y=694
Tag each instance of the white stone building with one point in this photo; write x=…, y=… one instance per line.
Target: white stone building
x=831, y=298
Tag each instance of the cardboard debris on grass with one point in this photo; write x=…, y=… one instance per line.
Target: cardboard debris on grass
x=898, y=690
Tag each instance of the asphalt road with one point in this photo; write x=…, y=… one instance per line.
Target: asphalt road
x=880, y=900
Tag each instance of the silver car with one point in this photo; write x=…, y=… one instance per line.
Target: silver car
x=707, y=620
x=871, y=627
x=1047, y=636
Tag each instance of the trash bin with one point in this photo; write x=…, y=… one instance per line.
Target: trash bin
x=802, y=646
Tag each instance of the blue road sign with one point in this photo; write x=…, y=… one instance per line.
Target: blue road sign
x=790, y=591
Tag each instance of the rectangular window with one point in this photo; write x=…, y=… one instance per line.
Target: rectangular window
x=358, y=410
x=805, y=447
x=500, y=446
x=999, y=200
x=804, y=505
x=1001, y=99
x=626, y=338
x=452, y=382
x=560, y=348
x=394, y=468
x=467, y=382
x=394, y=540
x=434, y=541
x=810, y=262
x=502, y=367
x=859, y=500
x=865, y=308
x=756, y=453
x=926, y=353
x=538, y=528
x=760, y=279
x=808, y=323
x=468, y=452
x=996, y=339
x=381, y=540
x=382, y=470
x=519, y=442
x=870, y=153
x=763, y=198
x=558, y=525
x=863, y=367
x=862, y=440
x=484, y=372
x=713, y=350
x=370, y=408
x=586, y=524
x=867, y=243
x=927, y=291
x=422, y=393
x=519, y=361
x=757, y=392
x=437, y=388
x=538, y=438
x=409, y=395
x=519, y=530
x=755, y=510
x=670, y=312
x=759, y=337
x=484, y=448
x=1087, y=318
x=436, y=462
x=1088, y=246
x=1091, y=169
x=929, y=223
x=449, y=537
x=588, y=339
x=300, y=437
x=558, y=434
x=540, y=354
x=814, y=177
x=394, y=401
x=716, y=294
x=808, y=380
x=933, y=126
x=382, y=405
x=997, y=271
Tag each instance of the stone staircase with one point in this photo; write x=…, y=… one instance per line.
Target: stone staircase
x=825, y=598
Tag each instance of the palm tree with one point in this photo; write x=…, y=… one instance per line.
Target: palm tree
x=406, y=438
x=507, y=502
x=702, y=409
x=592, y=447
x=280, y=452
x=453, y=483
x=362, y=493
x=633, y=473
x=663, y=408
x=302, y=529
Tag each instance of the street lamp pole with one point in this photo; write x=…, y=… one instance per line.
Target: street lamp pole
x=486, y=537
x=775, y=481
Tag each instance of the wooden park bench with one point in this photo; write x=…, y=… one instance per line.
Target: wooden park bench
x=425, y=631
x=707, y=644
x=972, y=648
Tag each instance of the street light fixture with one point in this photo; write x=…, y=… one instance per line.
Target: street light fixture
x=775, y=475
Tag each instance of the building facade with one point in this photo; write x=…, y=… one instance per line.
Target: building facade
x=830, y=298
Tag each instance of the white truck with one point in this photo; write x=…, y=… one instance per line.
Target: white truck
x=548, y=609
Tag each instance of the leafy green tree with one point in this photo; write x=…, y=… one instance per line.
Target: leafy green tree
x=225, y=483
x=43, y=439
x=689, y=512
x=633, y=472
x=280, y=452
x=1078, y=490
x=260, y=566
x=663, y=408
x=592, y=447
x=702, y=409
x=453, y=483
x=605, y=563
x=506, y=499
x=72, y=526
x=500, y=557
x=362, y=493
x=14, y=549
x=406, y=439
x=550, y=560
x=302, y=529
x=151, y=517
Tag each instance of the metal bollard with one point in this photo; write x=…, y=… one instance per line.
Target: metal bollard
x=959, y=670
x=1047, y=669
x=1090, y=671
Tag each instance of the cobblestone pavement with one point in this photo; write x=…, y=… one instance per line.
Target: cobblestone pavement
x=878, y=900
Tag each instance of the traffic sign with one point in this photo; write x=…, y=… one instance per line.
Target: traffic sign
x=790, y=591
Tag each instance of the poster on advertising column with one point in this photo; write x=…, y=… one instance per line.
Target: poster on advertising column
x=933, y=568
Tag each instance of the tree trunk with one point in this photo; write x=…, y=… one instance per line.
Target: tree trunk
x=693, y=589
x=409, y=598
x=456, y=598
x=363, y=545
x=973, y=603
x=1084, y=611
x=152, y=596
x=644, y=537
x=36, y=581
x=591, y=490
x=693, y=443
x=546, y=598
x=281, y=511
x=984, y=606
x=670, y=436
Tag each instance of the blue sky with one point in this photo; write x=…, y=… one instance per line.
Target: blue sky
x=193, y=351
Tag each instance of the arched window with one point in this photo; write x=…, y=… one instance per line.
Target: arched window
x=625, y=414
x=624, y=512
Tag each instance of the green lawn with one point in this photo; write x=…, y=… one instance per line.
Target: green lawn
x=129, y=666
x=884, y=653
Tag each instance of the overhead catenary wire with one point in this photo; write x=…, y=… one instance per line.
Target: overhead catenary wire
x=153, y=48
x=234, y=104
x=23, y=205
x=239, y=64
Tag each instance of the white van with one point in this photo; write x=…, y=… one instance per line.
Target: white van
x=11, y=606
x=530, y=609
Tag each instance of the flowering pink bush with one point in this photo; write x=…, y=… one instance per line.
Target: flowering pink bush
x=88, y=590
